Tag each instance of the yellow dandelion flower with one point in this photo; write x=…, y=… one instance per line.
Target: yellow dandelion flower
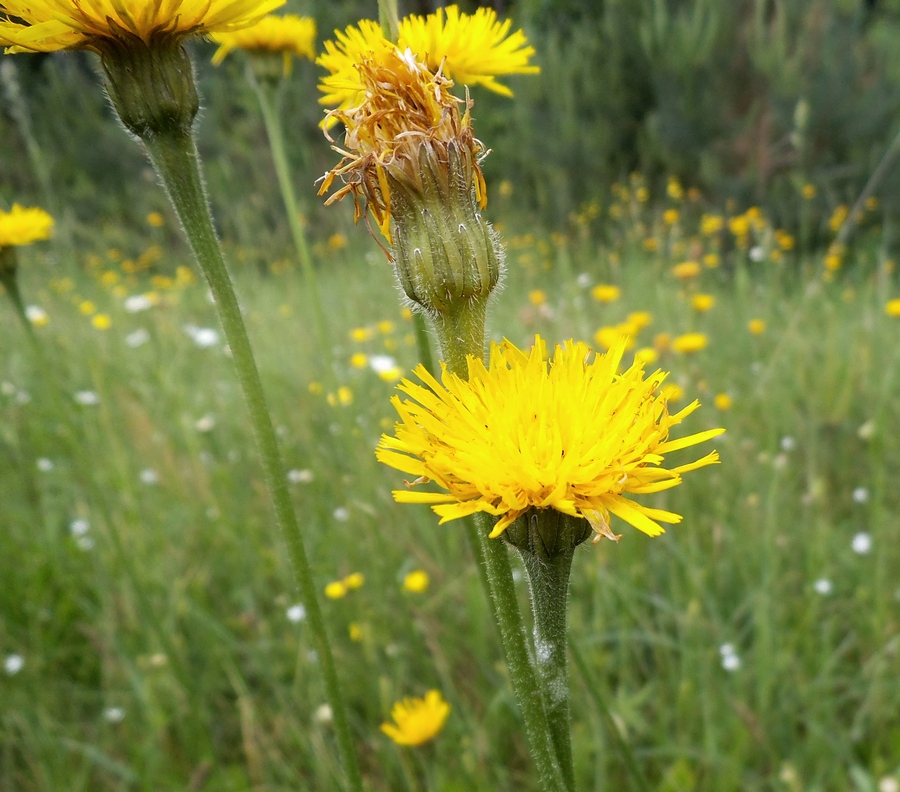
x=892, y=308
x=528, y=432
x=690, y=342
x=604, y=293
x=686, y=270
x=87, y=307
x=335, y=590
x=651, y=244
x=385, y=326
x=662, y=342
x=354, y=580
x=50, y=25
x=722, y=401
x=756, y=326
x=359, y=360
x=286, y=35
x=21, y=226
x=315, y=387
x=471, y=49
x=646, y=355
x=674, y=190
x=809, y=191
x=417, y=720
x=609, y=335
x=838, y=216
x=537, y=297
x=156, y=219
x=416, y=581
x=703, y=302
x=355, y=631
x=640, y=319
x=670, y=216
x=337, y=241
x=673, y=393
x=101, y=322
x=361, y=334
x=711, y=260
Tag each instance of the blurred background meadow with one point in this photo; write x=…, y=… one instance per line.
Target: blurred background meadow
x=679, y=170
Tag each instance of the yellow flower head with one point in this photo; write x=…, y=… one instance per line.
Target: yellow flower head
x=289, y=35
x=408, y=115
x=569, y=433
x=690, y=342
x=470, y=49
x=50, y=25
x=417, y=720
x=21, y=226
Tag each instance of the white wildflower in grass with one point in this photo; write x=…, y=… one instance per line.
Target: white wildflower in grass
x=137, y=303
x=730, y=659
x=23, y=397
x=87, y=398
x=114, y=714
x=149, y=476
x=862, y=543
x=13, y=664
x=341, y=514
x=889, y=784
x=85, y=543
x=296, y=613
x=203, y=337
x=44, y=465
x=36, y=315
x=861, y=495
x=823, y=586
x=205, y=424
x=757, y=253
x=300, y=476
x=7, y=388
x=788, y=443
x=584, y=280
x=137, y=338
x=382, y=363
x=323, y=714
x=79, y=527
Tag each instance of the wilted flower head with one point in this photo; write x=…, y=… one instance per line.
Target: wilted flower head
x=408, y=116
x=472, y=49
x=417, y=720
x=286, y=35
x=50, y=25
x=568, y=433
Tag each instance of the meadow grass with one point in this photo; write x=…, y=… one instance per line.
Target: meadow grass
x=751, y=647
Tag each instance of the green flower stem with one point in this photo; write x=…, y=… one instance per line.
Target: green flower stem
x=637, y=776
x=174, y=155
x=10, y=283
x=538, y=728
x=267, y=93
x=549, y=581
x=461, y=333
x=388, y=19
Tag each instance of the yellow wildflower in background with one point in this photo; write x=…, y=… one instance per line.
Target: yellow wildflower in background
x=604, y=293
x=416, y=581
x=336, y=589
x=471, y=49
x=686, y=270
x=417, y=720
x=670, y=216
x=51, y=25
x=101, y=322
x=156, y=219
x=537, y=297
x=532, y=432
x=690, y=342
x=354, y=580
x=21, y=226
x=286, y=35
x=722, y=401
x=703, y=302
x=756, y=326
x=892, y=307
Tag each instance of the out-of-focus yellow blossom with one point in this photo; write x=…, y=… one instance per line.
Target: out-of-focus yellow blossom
x=722, y=401
x=315, y=387
x=354, y=580
x=785, y=240
x=703, y=302
x=101, y=322
x=646, y=355
x=361, y=334
x=686, y=270
x=674, y=190
x=670, y=216
x=21, y=225
x=710, y=225
x=288, y=35
x=156, y=219
x=672, y=393
x=608, y=336
x=537, y=297
x=337, y=241
x=335, y=590
x=662, y=342
x=711, y=260
x=651, y=244
x=756, y=326
x=87, y=307
x=344, y=397
x=417, y=720
x=892, y=307
x=838, y=216
x=809, y=191
x=416, y=581
x=690, y=342
x=640, y=319
x=605, y=293
x=355, y=631
x=359, y=360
